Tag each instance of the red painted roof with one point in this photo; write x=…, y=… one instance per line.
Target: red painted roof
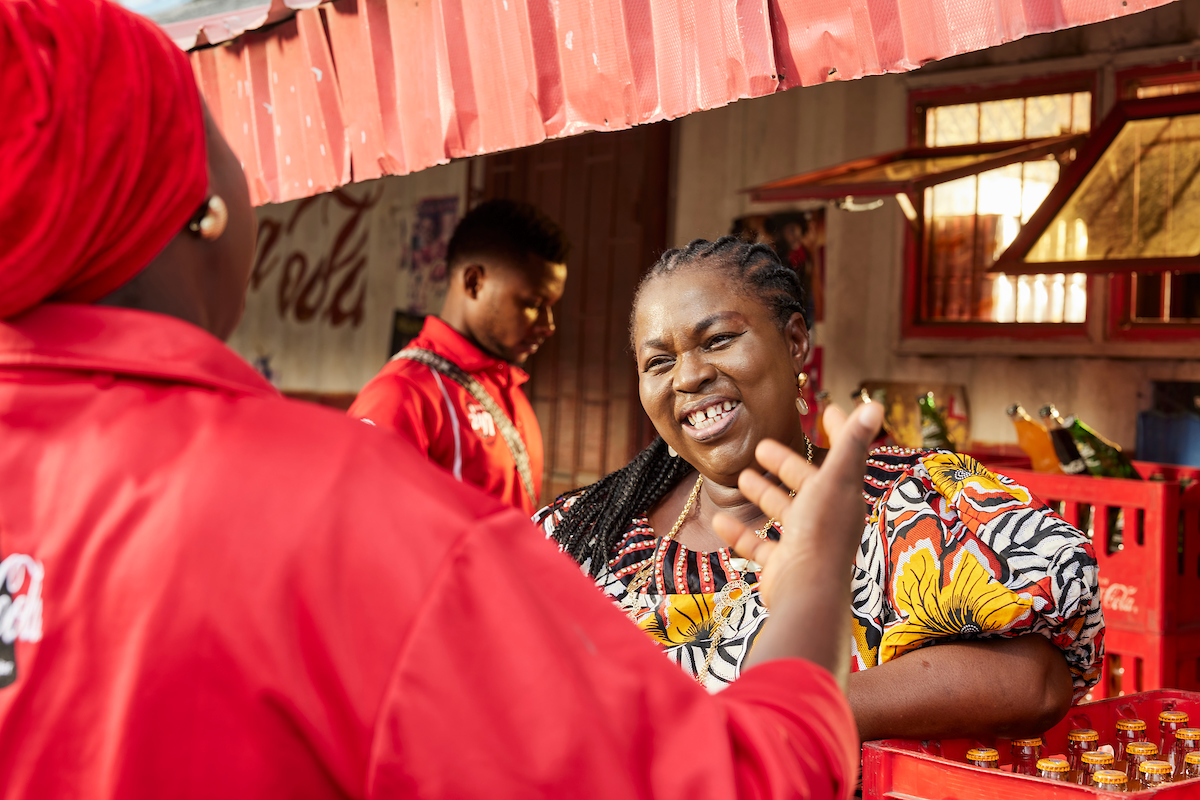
x=356, y=89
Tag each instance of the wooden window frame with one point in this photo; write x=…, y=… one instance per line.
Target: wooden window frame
x=1119, y=326
x=912, y=326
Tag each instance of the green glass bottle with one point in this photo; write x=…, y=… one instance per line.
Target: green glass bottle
x=1103, y=458
x=934, y=435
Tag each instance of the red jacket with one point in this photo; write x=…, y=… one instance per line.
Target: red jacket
x=451, y=427
x=216, y=592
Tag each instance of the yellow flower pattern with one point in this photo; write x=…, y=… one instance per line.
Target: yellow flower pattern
x=951, y=473
x=972, y=604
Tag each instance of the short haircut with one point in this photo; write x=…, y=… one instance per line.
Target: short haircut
x=507, y=228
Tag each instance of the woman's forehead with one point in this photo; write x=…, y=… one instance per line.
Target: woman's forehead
x=684, y=301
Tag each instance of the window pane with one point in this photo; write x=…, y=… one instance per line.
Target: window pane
x=1001, y=120
x=1162, y=89
x=1049, y=115
x=971, y=221
x=1141, y=199
x=1008, y=120
x=1081, y=112
x=1165, y=297
x=953, y=125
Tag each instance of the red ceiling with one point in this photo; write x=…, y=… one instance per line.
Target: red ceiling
x=355, y=89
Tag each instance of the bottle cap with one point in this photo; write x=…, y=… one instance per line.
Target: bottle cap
x=1097, y=757
x=1058, y=764
x=1083, y=735
x=1131, y=725
x=1035, y=741
x=1109, y=777
x=1187, y=734
x=1012, y=409
x=983, y=754
x=1045, y=411
x=1141, y=749
x=1155, y=768
x=1173, y=716
x=1192, y=757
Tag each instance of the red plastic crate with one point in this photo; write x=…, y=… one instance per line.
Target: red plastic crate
x=1152, y=583
x=1135, y=662
x=902, y=769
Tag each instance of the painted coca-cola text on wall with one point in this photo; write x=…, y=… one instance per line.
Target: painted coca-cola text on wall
x=330, y=287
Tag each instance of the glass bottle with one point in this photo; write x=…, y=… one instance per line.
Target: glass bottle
x=1187, y=740
x=1025, y=755
x=987, y=757
x=1102, y=457
x=1080, y=741
x=1110, y=780
x=1053, y=769
x=1168, y=723
x=1128, y=731
x=1153, y=773
x=1191, y=765
x=1136, y=754
x=1034, y=440
x=1094, y=761
x=934, y=434
x=1064, y=445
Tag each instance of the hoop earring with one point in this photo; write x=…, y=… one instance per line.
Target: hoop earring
x=801, y=404
x=210, y=220
x=671, y=452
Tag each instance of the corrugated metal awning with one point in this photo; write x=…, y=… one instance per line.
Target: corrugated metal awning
x=357, y=89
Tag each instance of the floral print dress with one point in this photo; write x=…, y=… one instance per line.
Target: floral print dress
x=949, y=551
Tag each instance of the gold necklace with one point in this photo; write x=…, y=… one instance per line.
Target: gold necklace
x=726, y=602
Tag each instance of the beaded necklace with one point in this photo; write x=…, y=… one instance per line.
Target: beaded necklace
x=726, y=603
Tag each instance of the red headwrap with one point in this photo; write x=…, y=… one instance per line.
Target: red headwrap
x=102, y=153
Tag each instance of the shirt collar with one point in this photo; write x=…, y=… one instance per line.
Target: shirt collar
x=459, y=349
x=122, y=341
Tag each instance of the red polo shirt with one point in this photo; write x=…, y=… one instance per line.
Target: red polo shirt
x=210, y=591
x=445, y=422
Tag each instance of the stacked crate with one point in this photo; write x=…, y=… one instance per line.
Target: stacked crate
x=1149, y=578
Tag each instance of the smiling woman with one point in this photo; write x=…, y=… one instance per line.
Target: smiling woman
x=951, y=554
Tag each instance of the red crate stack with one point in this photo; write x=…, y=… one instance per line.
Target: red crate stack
x=1149, y=575
x=936, y=770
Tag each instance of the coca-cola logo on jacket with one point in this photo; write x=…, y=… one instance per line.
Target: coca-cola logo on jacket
x=20, y=609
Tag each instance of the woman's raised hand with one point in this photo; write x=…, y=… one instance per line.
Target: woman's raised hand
x=806, y=574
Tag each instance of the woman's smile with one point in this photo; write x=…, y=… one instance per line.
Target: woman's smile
x=710, y=418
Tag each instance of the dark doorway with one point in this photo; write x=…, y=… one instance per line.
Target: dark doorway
x=609, y=192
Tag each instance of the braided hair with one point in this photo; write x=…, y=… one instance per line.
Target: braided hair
x=595, y=523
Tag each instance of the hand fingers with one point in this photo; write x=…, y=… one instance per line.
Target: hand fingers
x=772, y=499
x=851, y=439
x=834, y=419
x=784, y=462
x=742, y=540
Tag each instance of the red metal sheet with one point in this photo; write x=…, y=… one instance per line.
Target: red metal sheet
x=819, y=41
x=276, y=97
x=418, y=82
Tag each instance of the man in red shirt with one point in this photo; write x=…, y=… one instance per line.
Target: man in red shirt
x=207, y=590
x=507, y=265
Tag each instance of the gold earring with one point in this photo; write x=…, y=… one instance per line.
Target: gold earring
x=210, y=222
x=801, y=382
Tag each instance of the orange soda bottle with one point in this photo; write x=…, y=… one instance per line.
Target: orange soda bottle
x=1053, y=769
x=986, y=757
x=1025, y=755
x=1035, y=441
